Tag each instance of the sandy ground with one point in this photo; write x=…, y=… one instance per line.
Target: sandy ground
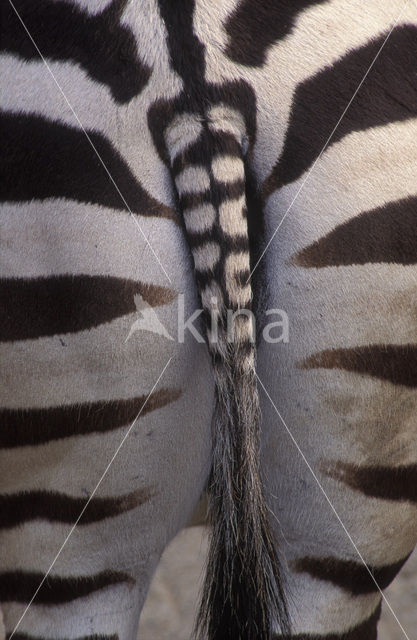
x=171, y=604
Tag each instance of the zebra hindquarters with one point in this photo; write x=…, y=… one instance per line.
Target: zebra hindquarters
x=82, y=372
x=342, y=389
x=89, y=345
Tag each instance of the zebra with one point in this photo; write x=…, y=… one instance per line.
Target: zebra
x=252, y=155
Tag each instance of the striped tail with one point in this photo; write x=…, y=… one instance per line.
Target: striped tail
x=242, y=594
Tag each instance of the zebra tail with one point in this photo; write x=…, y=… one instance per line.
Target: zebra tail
x=242, y=594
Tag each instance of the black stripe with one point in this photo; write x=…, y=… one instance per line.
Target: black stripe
x=366, y=630
x=389, y=94
x=17, y=508
x=229, y=244
x=47, y=306
x=44, y=159
x=256, y=229
x=24, y=427
x=349, y=575
x=377, y=481
x=253, y=27
x=246, y=348
x=235, y=244
x=242, y=277
x=185, y=49
x=19, y=586
x=193, y=200
x=223, y=191
x=384, y=234
x=220, y=193
x=103, y=47
x=216, y=143
x=204, y=278
x=237, y=94
x=25, y=636
x=395, y=363
x=196, y=240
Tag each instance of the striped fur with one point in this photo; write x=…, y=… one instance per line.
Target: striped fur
x=209, y=118
x=243, y=592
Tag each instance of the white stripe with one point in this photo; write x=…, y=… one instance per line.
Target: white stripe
x=45, y=577
x=192, y=180
x=200, y=218
x=326, y=144
x=320, y=486
x=212, y=296
x=207, y=256
x=234, y=264
x=227, y=168
x=89, y=140
x=183, y=131
x=223, y=118
x=232, y=220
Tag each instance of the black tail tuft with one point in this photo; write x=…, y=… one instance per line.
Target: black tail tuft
x=243, y=593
